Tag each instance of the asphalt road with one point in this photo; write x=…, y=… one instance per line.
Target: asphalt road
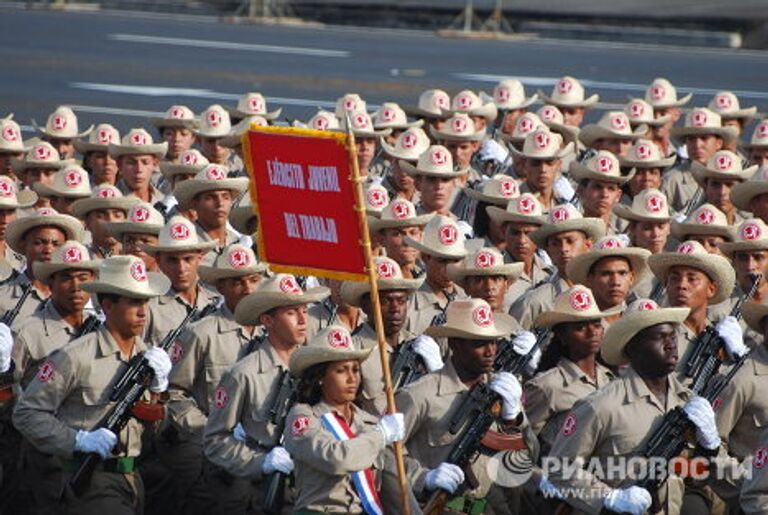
x=123, y=68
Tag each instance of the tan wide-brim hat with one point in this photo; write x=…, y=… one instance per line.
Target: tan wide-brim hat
x=702, y=121
x=98, y=140
x=661, y=94
x=751, y=235
x=179, y=235
x=524, y=209
x=635, y=319
x=408, y=146
x=104, y=196
x=176, y=116
x=142, y=218
x=724, y=165
x=441, y=238
x=432, y=104
x=138, y=142
x=398, y=213
x=16, y=230
x=235, y=260
x=484, y=262
x=544, y=144
x=645, y=154
x=127, y=276
x=603, y=166
x=717, y=268
x=743, y=192
x=473, y=319
x=603, y=129
x=470, y=103
x=578, y=268
x=191, y=162
x=71, y=255
x=276, y=292
x=498, y=190
x=569, y=92
x=334, y=343
x=459, y=127
x=650, y=205
x=61, y=124
x=211, y=178
x=411, y=169
x=436, y=161
x=576, y=304
x=727, y=105
x=594, y=228
x=706, y=219
x=236, y=113
x=389, y=277
x=754, y=313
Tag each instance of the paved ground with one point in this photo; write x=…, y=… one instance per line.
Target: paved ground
x=124, y=67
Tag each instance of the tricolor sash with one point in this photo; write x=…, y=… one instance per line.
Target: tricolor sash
x=362, y=479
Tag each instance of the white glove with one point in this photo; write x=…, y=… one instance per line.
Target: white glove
x=169, y=202
x=730, y=331
x=563, y=188
x=523, y=342
x=101, y=441
x=699, y=411
x=6, y=345
x=160, y=364
x=491, y=150
x=392, y=427
x=446, y=476
x=634, y=500
x=510, y=391
x=533, y=364
x=465, y=229
x=549, y=490
x=238, y=433
x=428, y=349
x=679, y=218
x=624, y=239
x=277, y=460
x=245, y=240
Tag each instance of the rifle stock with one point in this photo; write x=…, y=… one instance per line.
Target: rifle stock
x=274, y=497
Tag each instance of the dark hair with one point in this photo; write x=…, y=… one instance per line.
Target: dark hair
x=112, y=297
x=309, y=390
x=553, y=351
x=481, y=223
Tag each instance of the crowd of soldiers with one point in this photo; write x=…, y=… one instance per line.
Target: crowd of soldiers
x=588, y=292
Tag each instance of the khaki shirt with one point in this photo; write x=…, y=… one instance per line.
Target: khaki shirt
x=536, y=301
x=428, y=405
x=203, y=236
x=550, y=395
x=754, y=492
x=37, y=337
x=616, y=421
x=679, y=186
x=245, y=395
x=155, y=194
x=10, y=293
x=168, y=311
x=542, y=271
x=71, y=392
x=15, y=260
x=323, y=314
x=323, y=464
x=202, y=354
x=425, y=305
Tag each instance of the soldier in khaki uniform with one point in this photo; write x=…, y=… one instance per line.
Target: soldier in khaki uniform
x=70, y=394
x=706, y=225
x=210, y=195
x=239, y=436
x=754, y=493
x=191, y=162
x=11, y=146
x=201, y=355
x=67, y=185
x=599, y=182
x=35, y=237
x=649, y=165
x=60, y=130
x=522, y=216
x=408, y=147
x=752, y=195
x=616, y=421
x=340, y=451
x=718, y=176
x=101, y=167
x=568, y=96
x=177, y=129
x=611, y=269
x=397, y=221
x=436, y=180
x=430, y=403
x=366, y=139
x=395, y=292
x=9, y=208
x=140, y=228
x=565, y=235
x=39, y=165
x=60, y=320
x=542, y=154
x=649, y=220
x=441, y=244
x=105, y=205
x=137, y=158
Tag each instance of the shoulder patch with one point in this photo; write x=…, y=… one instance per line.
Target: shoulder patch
x=299, y=425
x=220, y=397
x=176, y=352
x=46, y=372
x=569, y=425
x=761, y=457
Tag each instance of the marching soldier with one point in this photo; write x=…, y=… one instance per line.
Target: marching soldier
x=100, y=165
x=727, y=105
x=105, y=206
x=569, y=97
x=60, y=130
x=509, y=97
x=718, y=177
x=600, y=181
x=662, y=96
x=39, y=165
x=397, y=221
x=11, y=146
x=9, y=209
x=436, y=178
x=706, y=225
x=240, y=437
x=612, y=133
x=543, y=153
x=177, y=129
x=137, y=158
x=649, y=165
x=140, y=228
x=67, y=185
x=498, y=190
x=433, y=106
x=366, y=139
x=62, y=406
x=215, y=124
x=407, y=147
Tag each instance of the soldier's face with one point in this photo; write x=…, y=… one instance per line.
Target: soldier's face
x=718, y=193
x=710, y=242
x=127, y=316
x=436, y=269
x=287, y=325
x=462, y=151
x=519, y=245
x=366, y=149
x=508, y=124
x=393, y=240
x=40, y=242
x=212, y=208
x=65, y=147
x=540, y=174
x=133, y=245
x=96, y=220
x=573, y=116
x=759, y=206
x=103, y=167
x=644, y=179
x=341, y=382
x=610, y=279
x=394, y=310
x=213, y=150
x=702, y=146
x=472, y=358
x=617, y=146
x=750, y=262
x=435, y=192
x=180, y=268
x=41, y=175
x=650, y=235
x=757, y=156
x=63, y=204
x=403, y=181
x=234, y=289
x=564, y=246
x=689, y=287
x=582, y=339
x=137, y=170
x=653, y=351
x=490, y=288
x=6, y=158
x=6, y=216
x=66, y=290
x=599, y=197
x=179, y=139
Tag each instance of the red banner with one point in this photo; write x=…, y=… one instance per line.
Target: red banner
x=305, y=201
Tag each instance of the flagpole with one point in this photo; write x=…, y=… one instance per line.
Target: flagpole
x=376, y=305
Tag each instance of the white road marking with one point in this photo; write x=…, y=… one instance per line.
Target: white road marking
x=229, y=45
x=613, y=86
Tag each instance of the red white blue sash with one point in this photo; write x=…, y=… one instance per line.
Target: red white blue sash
x=362, y=479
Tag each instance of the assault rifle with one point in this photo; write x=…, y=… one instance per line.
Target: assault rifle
x=91, y=324
x=12, y=313
x=125, y=392
x=508, y=360
x=278, y=413
x=474, y=417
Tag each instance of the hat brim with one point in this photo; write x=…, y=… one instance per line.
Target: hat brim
x=728, y=134
x=170, y=170
x=680, y=102
x=306, y=356
x=740, y=114
x=502, y=216
x=156, y=149
x=391, y=151
x=82, y=207
x=187, y=190
x=84, y=146
x=561, y=153
x=211, y=274
x=754, y=313
x=580, y=172
x=527, y=102
x=458, y=273
x=625, y=212
x=234, y=112
x=250, y=308
x=162, y=123
x=41, y=129
x=578, y=268
x=503, y=325
x=45, y=190
x=423, y=113
x=412, y=169
x=43, y=270
x=618, y=335
x=447, y=136
x=682, y=230
x=352, y=292
x=717, y=268
x=659, y=163
x=378, y=224
x=399, y=126
x=482, y=197
x=743, y=193
x=240, y=218
x=489, y=111
x=701, y=173
x=203, y=246
x=593, y=132
x=432, y=252
x=157, y=285
x=16, y=230
x=21, y=165
x=118, y=229
x=552, y=318
x=594, y=228
x=729, y=247
x=587, y=102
